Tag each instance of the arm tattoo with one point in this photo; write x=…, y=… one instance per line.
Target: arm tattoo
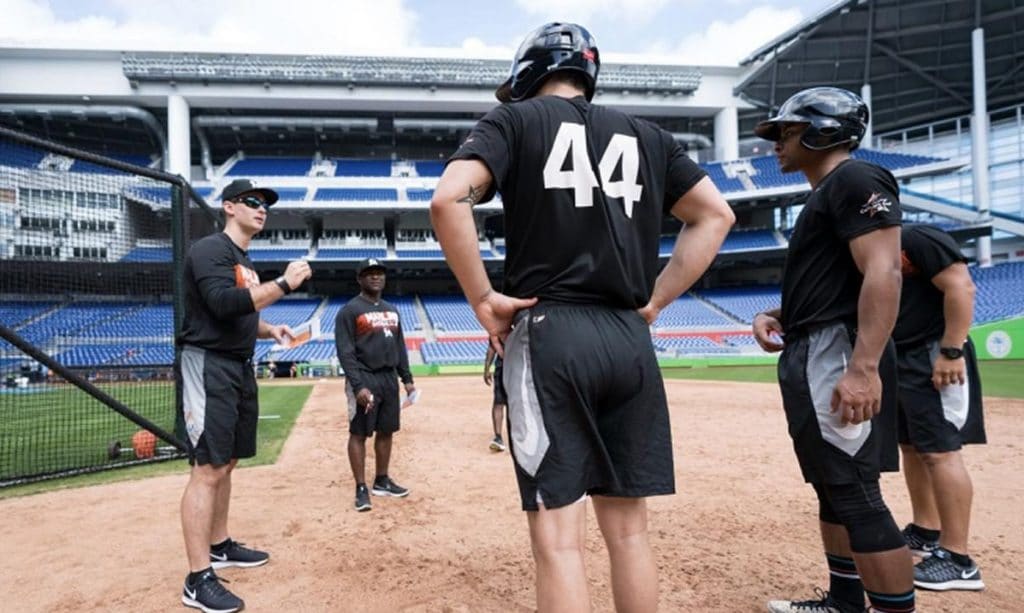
x=474, y=195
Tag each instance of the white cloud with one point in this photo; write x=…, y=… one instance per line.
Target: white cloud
x=477, y=48
x=728, y=42
x=319, y=26
x=581, y=11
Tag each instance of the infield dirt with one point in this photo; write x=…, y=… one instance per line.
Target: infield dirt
x=742, y=528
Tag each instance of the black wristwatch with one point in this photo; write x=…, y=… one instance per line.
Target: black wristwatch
x=287, y=289
x=952, y=353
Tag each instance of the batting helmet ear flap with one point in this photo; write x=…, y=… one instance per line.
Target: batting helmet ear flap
x=549, y=49
x=835, y=116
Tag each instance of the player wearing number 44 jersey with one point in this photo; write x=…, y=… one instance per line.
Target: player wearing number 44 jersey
x=584, y=191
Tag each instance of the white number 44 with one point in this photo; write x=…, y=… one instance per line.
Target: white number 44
x=572, y=140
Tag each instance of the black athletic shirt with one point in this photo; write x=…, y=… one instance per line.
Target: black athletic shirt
x=219, y=313
x=368, y=337
x=927, y=251
x=821, y=282
x=584, y=244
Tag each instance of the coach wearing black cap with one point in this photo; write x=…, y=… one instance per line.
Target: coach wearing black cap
x=371, y=349
x=223, y=298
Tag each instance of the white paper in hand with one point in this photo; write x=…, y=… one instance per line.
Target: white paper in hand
x=411, y=399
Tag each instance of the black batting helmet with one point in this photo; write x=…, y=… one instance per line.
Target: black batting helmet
x=835, y=116
x=548, y=49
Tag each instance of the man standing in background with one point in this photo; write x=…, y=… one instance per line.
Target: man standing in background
x=371, y=348
x=940, y=405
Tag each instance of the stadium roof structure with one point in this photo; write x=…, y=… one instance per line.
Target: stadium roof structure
x=915, y=54
x=374, y=70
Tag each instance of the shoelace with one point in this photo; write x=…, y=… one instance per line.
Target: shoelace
x=823, y=599
x=215, y=584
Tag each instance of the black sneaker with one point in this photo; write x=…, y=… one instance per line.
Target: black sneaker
x=824, y=604
x=234, y=554
x=941, y=572
x=384, y=486
x=209, y=595
x=362, y=498
x=497, y=444
x=920, y=547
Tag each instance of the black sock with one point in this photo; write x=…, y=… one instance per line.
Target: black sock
x=193, y=577
x=221, y=545
x=960, y=558
x=844, y=581
x=925, y=533
x=892, y=603
x=380, y=478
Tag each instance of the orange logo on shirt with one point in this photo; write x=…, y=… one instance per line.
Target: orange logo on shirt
x=245, y=277
x=377, y=320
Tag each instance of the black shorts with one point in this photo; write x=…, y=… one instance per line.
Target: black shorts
x=499, y=387
x=220, y=406
x=385, y=414
x=932, y=421
x=828, y=452
x=586, y=406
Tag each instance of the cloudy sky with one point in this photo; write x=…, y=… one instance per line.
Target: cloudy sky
x=678, y=31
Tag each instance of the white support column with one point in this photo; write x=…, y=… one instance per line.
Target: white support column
x=865, y=95
x=727, y=128
x=979, y=142
x=179, y=143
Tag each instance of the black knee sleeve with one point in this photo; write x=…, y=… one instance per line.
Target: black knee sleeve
x=860, y=509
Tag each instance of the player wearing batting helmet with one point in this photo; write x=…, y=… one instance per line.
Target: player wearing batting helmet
x=840, y=296
x=586, y=403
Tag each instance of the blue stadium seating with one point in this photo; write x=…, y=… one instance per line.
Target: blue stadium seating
x=450, y=314
x=1000, y=289
x=768, y=174
x=429, y=169
x=717, y=175
x=272, y=167
x=453, y=352
x=362, y=168
x=148, y=254
x=413, y=254
x=406, y=312
x=90, y=355
x=330, y=313
x=742, y=240
x=152, y=194
x=276, y=255
x=356, y=194
x=313, y=351
x=151, y=321
x=74, y=319
x=419, y=195
x=892, y=160
x=351, y=253
x=290, y=193
x=18, y=156
x=744, y=303
x=146, y=355
x=291, y=312
x=13, y=314
x=688, y=312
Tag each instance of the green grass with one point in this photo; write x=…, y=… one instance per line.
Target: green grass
x=283, y=401
x=747, y=374
x=998, y=378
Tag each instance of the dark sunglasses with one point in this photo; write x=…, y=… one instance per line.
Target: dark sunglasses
x=252, y=202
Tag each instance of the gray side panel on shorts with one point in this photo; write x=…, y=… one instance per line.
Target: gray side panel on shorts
x=828, y=353
x=351, y=396
x=956, y=399
x=529, y=437
x=193, y=390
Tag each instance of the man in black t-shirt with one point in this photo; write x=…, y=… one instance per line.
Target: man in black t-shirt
x=940, y=405
x=371, y=348
x=837, y=372
x=584, y=191
x=223, y=297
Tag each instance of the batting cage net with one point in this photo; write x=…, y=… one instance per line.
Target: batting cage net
x=91, y=251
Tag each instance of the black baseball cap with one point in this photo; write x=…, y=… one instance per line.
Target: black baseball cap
x=370, y=264
x=243, y=186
